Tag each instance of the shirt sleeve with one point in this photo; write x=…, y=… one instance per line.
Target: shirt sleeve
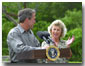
x=16, y=44
x=37, y=42
x=44, y=44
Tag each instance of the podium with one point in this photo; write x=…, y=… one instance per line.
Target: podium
x=41, y=54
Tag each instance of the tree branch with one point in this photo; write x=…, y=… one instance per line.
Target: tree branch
x=24, y=4
x=11, y=19
x=11, y=14
x=8, y=16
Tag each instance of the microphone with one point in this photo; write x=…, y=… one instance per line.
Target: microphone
x=45, y=36
x=51, y=39
x=43, y=33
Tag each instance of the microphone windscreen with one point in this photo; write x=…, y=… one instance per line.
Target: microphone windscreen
x=43, y=33
x=39, y=33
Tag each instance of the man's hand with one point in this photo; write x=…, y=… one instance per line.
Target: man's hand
x=45, y=47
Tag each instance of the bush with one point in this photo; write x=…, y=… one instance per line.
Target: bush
x=6, y=26
x=76, y=46
x=73, y=19
x=5, y=51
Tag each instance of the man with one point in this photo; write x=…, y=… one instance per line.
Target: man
x=21, y=37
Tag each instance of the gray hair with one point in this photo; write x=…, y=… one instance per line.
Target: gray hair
x=25, y=13
x=60, y=24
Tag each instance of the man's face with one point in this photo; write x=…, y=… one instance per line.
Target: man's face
x=32, y=21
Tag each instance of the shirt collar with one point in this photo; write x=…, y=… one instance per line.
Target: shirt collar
x=20, y=28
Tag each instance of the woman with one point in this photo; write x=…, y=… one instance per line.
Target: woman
x=58, y=30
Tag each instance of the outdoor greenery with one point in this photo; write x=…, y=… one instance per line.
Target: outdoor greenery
x=69, y=12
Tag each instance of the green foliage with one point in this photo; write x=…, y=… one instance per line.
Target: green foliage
x=76, y=46
x=5, y=51
x=73, y=19
x=40, y=26
x=46, y=11
x=6, y=26
x=11, y=6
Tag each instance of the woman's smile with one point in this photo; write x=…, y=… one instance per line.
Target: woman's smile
x=56, y=32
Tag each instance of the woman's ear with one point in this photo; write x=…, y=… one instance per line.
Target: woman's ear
x=51, y=31
x=61, y=33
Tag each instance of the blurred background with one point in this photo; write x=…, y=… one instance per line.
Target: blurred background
x=46, y=12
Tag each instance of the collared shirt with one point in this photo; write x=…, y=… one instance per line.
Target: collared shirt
x=19, y=40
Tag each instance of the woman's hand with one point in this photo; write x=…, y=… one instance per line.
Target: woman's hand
x=69, y=41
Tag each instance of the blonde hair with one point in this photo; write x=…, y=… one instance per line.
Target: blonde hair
x=60, y=24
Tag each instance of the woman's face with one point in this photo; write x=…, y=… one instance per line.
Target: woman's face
x=56, y=32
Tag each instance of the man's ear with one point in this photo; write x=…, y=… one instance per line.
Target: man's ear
x=26, y=19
